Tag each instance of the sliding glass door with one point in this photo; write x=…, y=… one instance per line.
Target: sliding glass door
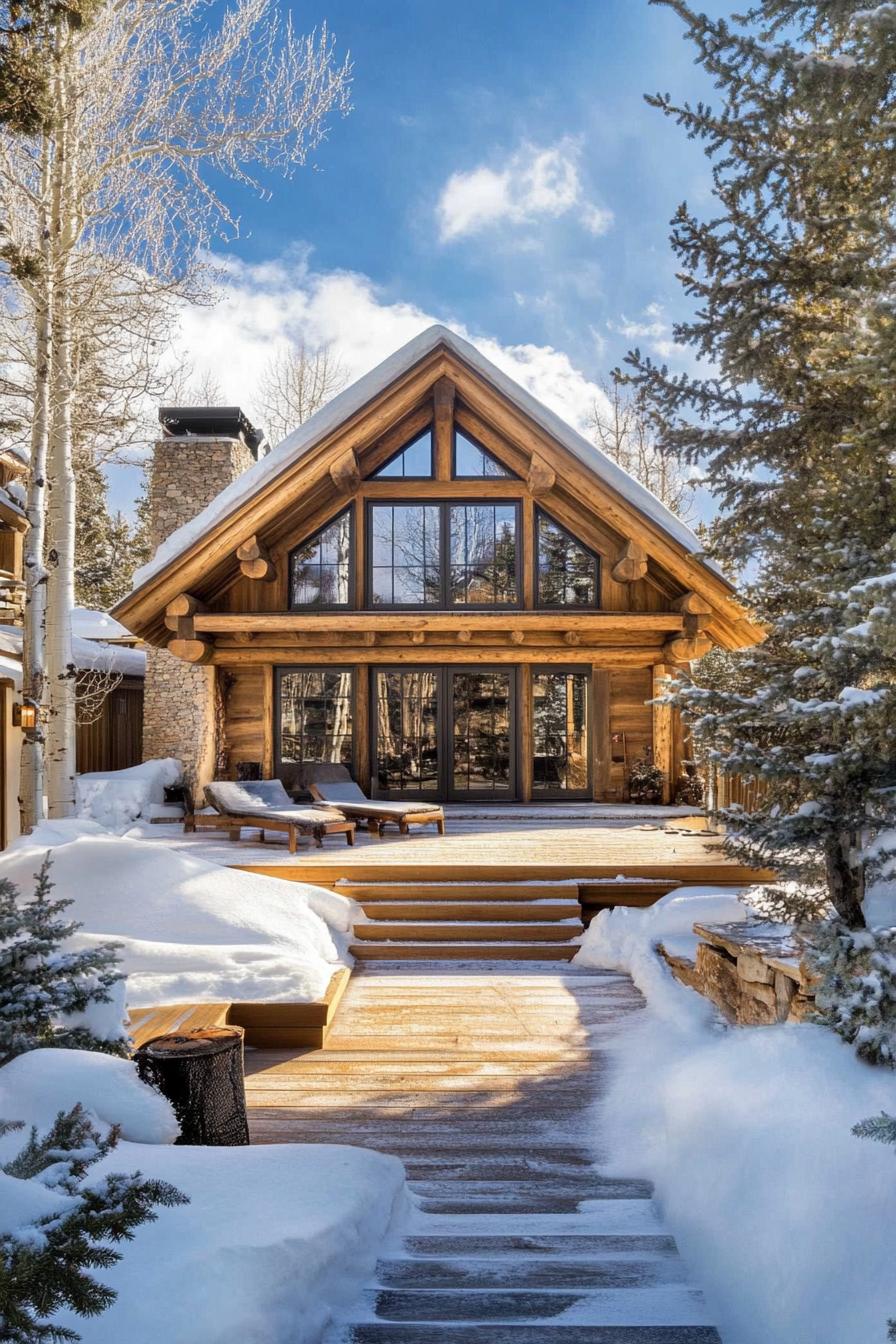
x=444, y=732
x=561, y=733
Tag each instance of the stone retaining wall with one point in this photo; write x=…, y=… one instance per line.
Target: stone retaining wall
x=754, y=973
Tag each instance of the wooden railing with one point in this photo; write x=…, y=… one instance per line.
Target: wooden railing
x=731, y=791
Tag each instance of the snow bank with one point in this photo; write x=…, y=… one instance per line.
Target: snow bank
x=116, y=798
x=624, y=938
x=784, y=1216
x=273, y=1240
x=190, y=931
x=36, y=1086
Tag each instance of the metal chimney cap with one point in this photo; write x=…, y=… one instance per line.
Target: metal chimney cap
x=225, y=422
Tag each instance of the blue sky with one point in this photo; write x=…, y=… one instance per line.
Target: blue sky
x=500, y=171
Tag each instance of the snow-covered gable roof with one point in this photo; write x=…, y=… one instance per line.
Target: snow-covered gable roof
x=89, y=655
x=88, y=624
x=371, y=385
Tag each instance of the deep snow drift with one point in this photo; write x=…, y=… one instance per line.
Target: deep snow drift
x=116, y=798
x=785, y=1217
x=190, y=931
x=273, y=1239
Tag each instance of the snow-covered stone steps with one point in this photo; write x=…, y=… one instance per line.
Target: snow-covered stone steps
x=669, y=1304
x=623, y=1270
x=460, y=1196
x=591, y=1245
x=543, y=1333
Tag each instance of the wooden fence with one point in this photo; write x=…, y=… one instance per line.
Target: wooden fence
x=731, y=790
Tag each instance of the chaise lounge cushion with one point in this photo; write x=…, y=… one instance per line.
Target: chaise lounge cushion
x=261, y=798
x=342, y=792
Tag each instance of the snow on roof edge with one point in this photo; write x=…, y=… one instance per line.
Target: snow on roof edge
x=370, y=385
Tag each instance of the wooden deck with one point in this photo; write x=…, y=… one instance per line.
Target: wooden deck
x=483, y=1080
x=514, y=846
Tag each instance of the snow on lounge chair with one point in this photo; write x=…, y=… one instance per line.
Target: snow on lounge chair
x=334, y=786
x=266, y=804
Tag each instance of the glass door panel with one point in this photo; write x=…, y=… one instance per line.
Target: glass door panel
x=482, y=734
x=406, y=731
x=561, y=731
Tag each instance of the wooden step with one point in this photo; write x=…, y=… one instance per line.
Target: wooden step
x=528, y=1271
x=674, y=1303
x=545, y=1332
x=460, y=932
x=503, y=951
x=457, y=891
x=429, y=910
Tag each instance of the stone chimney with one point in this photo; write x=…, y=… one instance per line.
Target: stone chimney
x=201, y=451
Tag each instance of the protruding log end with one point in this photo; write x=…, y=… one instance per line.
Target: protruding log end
x=255, y=560
x=571, y=637
x=542, y=477
x=344, y=473
x=631, y=563
x=191, y=650
x=464, y=636
x=686, y=649
x=516, y=636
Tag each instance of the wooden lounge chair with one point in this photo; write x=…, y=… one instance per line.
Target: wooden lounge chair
x=266, y=804
x=334, y=786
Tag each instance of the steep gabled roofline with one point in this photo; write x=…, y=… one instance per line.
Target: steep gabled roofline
x=354, y=398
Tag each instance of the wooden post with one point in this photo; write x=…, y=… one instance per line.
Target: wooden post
x=662, y=731
x=267, y=710
x=443, y=427
x=527, y=735
x=600, y=735
x=529, y=558
x=362, y=728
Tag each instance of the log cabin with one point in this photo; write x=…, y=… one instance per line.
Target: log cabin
x=434, y=581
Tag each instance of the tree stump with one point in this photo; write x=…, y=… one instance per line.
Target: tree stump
x=201, y=1074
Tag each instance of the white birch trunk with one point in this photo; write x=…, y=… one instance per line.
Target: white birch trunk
x=32, y=803
x=61, y=721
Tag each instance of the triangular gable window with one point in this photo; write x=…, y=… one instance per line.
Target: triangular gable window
x=320, y=569
x=413, y=462
x=473, y=462
x=567, y=572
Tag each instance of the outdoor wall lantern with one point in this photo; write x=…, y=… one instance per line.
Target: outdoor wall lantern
x=24, y=716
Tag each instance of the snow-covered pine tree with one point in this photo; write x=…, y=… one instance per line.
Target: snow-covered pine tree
x=45, y=1264
x=104, y=561
x=41, y=985
x=794, y=423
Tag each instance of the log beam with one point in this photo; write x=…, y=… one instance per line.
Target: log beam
x=255, y=560
x=383, y=622
x=631, y=563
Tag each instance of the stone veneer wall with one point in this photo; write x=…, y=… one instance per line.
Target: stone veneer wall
x=179, y=698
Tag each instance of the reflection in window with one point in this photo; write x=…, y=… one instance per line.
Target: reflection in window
x=560, y=732
x=320, y=568
x=414, y=461
x=407, y=746
x=483, y=554
x=316, y=716
x=404, y=550
x=481, y=718
x=472, y=461
x=567, y=570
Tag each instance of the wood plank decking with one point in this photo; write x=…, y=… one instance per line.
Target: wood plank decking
x=483, y=1079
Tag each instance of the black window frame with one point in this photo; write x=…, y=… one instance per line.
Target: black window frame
x=589, y=550
x=565, y=669
x=507, y=474
x=429, y=429
x=444, y=504
x=352, y=602
x=283, y=669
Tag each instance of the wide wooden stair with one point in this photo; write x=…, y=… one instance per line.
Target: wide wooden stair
x=466, y=921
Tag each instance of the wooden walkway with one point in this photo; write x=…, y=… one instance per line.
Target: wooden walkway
x=483, y=1080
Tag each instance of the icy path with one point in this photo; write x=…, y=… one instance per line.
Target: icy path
x=483, y=1079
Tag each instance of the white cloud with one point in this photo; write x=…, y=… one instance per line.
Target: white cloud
x=286, y=300
x=534, y=183
x=654, y=330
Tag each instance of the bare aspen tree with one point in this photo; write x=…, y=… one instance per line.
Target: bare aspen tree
x=621, y=429
x=150, y=104
x=297, y=380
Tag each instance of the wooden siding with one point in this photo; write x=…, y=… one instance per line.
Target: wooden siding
x=631, y=716
x=114, y=740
